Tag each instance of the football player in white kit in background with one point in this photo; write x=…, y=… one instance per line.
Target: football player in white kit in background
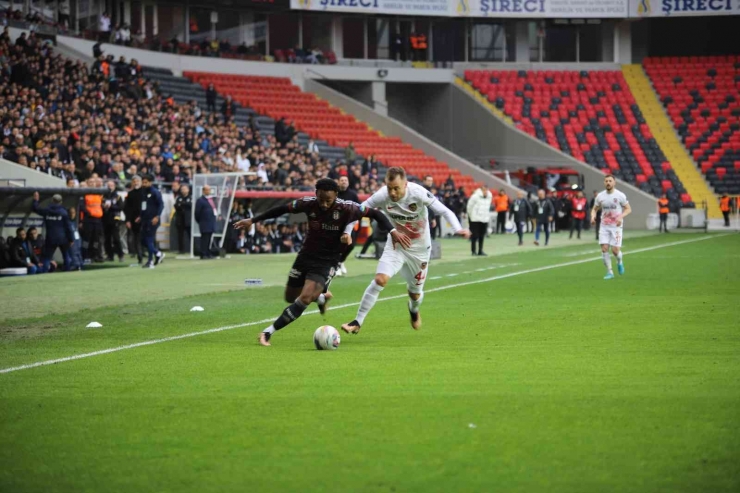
x=405, y=204
x=614, y=208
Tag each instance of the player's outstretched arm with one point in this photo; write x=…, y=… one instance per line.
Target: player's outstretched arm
x=626, y=211
x=270, y=214
x=593, y=213
x=442, y=210
x=384, y=223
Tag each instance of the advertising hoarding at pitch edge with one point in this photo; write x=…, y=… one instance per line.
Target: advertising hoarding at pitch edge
x=473, y=8
x=671, y=8
x=577, y=9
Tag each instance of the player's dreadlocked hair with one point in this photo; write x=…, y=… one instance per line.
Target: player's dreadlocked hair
x=327, y=185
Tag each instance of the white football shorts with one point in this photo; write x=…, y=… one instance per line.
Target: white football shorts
x=610, y=236
x=413, y=268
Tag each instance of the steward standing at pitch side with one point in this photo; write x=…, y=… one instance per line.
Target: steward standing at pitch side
x=151, y=209
x=57, y=229
x=521, y=212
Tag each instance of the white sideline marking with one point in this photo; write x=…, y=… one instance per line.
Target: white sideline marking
x=347, y=305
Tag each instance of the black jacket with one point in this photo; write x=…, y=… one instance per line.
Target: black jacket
x=18, y=253
x=520, y=210
x=183, y=211
x=545, y=210
x=112, y=213
x=132, y=207
x=350, y=195
x=56, y=224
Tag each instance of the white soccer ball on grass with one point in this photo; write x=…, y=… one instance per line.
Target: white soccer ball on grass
x=326, y=337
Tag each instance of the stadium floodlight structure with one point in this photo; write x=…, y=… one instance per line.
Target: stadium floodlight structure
x=223, y=190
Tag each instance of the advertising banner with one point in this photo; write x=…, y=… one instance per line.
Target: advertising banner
x=670, y=8
x=474, y=8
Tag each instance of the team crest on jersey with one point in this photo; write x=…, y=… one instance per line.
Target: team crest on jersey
x=332, y=271
x=413, y=207
x=615, y=201
x=423, y=265
x=335, y=215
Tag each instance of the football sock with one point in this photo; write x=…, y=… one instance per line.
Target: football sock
x=290, y=314
x=619, y=257
x=607, y=261
x=270, y=330
x=415, y=304
x=368, y=301
x=322, y=299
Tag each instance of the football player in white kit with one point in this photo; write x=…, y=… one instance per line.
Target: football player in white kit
x=405, y=204
x=614, y=208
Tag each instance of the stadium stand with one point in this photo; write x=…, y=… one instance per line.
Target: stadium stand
x=279, y=98
x=701, y=97
x=590, y=115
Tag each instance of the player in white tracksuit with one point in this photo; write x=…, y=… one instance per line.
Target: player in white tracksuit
x=405, y=204
x=614, y=208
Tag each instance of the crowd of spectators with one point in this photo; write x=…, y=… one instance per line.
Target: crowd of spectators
x=101, y=126
x=110, y=122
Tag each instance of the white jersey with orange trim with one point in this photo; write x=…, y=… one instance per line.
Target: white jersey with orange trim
x=409, y=215
x=612, y=206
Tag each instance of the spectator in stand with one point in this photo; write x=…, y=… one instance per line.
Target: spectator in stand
x=64, y=11
x=59, y=233
x=151, y=210
x=21, y=254
x=132, y=210
x=228, y=109
x=206, y=215
x=349, y=153
x=104, y=28
x=520, y=212
x=112, y=210
x=502, y=208
x=479, y=213
x=183, y=218
x=578, y=206
x=211, y=96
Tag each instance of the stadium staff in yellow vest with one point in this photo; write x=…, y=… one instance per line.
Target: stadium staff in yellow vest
x=663, y=211
x=91, y=213
x=724, y=206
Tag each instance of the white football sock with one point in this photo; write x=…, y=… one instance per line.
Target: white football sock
x=619, y=257
x=607, y=262
x=322, y=299
x=368, y=301
x=415, y=304
x=270, y=330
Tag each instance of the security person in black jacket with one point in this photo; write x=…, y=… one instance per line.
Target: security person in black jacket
x=183, y=218
x=520, y=210
x=132, y=209
x=151, y=210
x=112, y=207
x=347, y=194
x=58, y=230
x=206, y=215
x=545, y=215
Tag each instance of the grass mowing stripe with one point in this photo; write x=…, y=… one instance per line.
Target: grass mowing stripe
x=347, y=305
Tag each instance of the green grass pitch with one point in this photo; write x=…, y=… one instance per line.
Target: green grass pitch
x=530, y=373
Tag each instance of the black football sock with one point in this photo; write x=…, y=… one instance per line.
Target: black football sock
x=290, y=314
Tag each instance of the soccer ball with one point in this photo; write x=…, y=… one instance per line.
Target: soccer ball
x=326, y=337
